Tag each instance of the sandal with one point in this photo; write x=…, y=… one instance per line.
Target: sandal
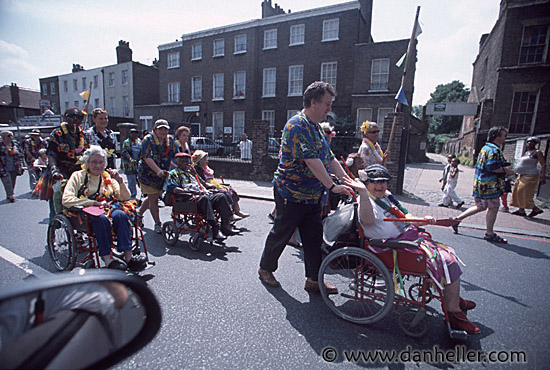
x=519, y=213
x=534, y=213
x=495, y=238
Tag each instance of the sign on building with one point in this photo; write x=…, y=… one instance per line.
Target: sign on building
x=451, y=109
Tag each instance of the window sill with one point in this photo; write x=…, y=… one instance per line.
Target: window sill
x=295, y=94
x=329, y=40
x=296, y=44
x=239, y=52
x=217, y=99
x=239, y=97
x=196, y=59
x=270, y=48
x=173, y=67
x=196, y=100
x=378, y=90
x=218, y=56
x=269, y=96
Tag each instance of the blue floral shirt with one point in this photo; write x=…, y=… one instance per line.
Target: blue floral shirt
x=161, y=153
x=302, y=139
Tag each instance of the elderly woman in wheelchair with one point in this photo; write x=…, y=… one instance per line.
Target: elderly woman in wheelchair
x=377, y=203
x=96, y=186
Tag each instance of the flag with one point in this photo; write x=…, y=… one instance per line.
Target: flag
x=400, y=97
x=401, y=62
x=85, y=94
x=418, y=30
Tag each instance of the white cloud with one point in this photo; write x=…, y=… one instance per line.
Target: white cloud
x=12, y=51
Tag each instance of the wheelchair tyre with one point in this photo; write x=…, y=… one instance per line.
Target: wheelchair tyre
x=62, y=243
x=33, y=179
x=405, y=323
x=170, y=233
x=365, y=288
x=195, y=242
x=415, y=293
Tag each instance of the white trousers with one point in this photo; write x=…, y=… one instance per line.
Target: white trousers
x=449, y=194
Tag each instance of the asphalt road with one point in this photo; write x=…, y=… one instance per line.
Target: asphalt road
x=217, y=315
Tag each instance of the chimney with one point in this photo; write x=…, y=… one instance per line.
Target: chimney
x=482, y=40
x=365, y=21
x=14, y=92
x=268, y=10
x=123, y=52
x=77, y=68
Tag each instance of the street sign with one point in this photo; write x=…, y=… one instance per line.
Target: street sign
x=451, y=109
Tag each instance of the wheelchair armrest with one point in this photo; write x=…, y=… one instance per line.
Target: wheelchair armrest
x=75, y=208
x=398, y=244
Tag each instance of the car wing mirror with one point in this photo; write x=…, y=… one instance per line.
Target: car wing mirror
x=79, y=320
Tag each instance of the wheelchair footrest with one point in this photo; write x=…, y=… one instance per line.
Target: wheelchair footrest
x=457, y=334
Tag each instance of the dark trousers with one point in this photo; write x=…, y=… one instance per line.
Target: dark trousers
x=288, y=217
x=102, y=231
x=218, y=201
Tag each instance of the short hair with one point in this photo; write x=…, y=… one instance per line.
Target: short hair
x=96, y=112
x=494, y=132
x=42, y=151
x=316, y=91
x=94, y=149
x=181, y=129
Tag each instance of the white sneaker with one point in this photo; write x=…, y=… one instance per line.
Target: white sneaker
x=158, y=228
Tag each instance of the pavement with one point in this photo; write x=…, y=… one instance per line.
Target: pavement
x=422, y=194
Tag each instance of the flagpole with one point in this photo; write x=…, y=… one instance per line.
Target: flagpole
x=403, y=78
x=85, y=109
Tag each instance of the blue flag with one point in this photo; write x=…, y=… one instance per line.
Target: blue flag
x=400, y=97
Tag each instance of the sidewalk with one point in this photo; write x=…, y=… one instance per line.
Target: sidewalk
x=422, y=193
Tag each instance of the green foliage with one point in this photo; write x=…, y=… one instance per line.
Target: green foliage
x=466, y=161
x=417, y=111
x=436, y=141
x=451, y=92
x=344, y=126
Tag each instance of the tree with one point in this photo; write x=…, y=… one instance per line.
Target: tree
x=451, y=92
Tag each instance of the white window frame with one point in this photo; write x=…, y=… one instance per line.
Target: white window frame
x=65, y=85
x=112, y=105
x=111, y=79
x=270, y=39
x=240, y=44
x=291, y=113
x=269, y=115
x=217, y=125
x=174, y=92
x=196, y=88
x=96, y=81
x=269, y=84
x=196, y=51
x=84, y=86
x=173, y=60
x=295, y=80
x=238, y=124
x=218, y=48
x=96, y=102
x=146, y=122
x=331, y=29
x=380, y=74
x=126, y=105
x=217, y=91
x=239, y=85
x=329, y=72
x=125, y=77
x=75, y=84
x=52, y=88
x=76, y=103
x=44, y=89
x=297, y=34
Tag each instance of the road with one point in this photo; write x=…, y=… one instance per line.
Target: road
x=217, y=315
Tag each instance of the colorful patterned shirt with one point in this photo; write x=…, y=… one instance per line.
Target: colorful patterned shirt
x=182, y=179
x=302, y=139
x=107, y=142
x=66, y=148
x=134, y=151
x=487, y=184
x=161, y=154
x=32, y=146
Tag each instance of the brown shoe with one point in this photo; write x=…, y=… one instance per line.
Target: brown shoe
x=312, y=286
x=267, y=278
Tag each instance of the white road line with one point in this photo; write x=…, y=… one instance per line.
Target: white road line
x=25, y=265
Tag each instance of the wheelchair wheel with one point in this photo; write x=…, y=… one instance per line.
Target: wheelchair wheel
x=415, y=293
x=195, y=242
x=33, y=179
x=62, y=243
x=413, y=323
x=170, y=233
x=365, y=288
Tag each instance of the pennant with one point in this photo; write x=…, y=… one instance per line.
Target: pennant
x=418, y=30
x=401, y=62
x=400, y=97
x=85, y=94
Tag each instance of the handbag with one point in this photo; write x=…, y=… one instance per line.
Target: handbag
x=339, y=222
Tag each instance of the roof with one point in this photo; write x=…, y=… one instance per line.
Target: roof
x=28, y=98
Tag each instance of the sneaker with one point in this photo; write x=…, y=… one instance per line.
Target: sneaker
x=137, y=263
x=459, y=321
x=158, y=228
x=459, y=205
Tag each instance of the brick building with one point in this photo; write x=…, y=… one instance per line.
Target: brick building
x=17, y=102
x=218, y=81
x=511, y=76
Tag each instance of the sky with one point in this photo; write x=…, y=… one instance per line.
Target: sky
x=43, y=38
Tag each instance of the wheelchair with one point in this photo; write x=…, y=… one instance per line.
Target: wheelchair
x=71, y=241
x=366, y=288
x=186, y=219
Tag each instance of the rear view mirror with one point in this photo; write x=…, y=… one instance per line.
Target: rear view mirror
x=84, y=319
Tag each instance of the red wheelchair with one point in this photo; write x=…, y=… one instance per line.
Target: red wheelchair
x=366, y=288
x=71, y=241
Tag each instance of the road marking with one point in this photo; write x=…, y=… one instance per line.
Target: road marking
x=25, y=265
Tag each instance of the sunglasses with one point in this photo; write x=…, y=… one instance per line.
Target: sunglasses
x=328, y=132
x=373, y=132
